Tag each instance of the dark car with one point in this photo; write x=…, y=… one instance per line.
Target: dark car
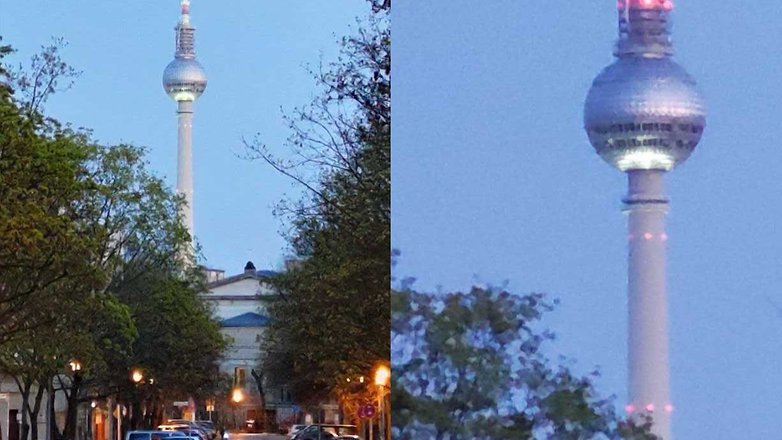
x=208, y=427
x=328, y=432
x=155, y=435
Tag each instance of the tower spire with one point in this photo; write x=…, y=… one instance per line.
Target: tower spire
x=184, y=80
x=644, y=28
x=185, y=33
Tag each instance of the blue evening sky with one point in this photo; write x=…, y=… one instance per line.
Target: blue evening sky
x=494, y=179
x=254, y=53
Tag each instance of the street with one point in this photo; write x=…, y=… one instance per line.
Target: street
x=253, y=436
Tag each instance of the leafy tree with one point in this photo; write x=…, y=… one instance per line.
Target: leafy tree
x=94, y=261
x=43, y=77
x=471, y=366
x=93, y=331
x=331, y=321
x=179, y=344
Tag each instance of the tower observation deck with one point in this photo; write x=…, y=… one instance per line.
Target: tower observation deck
x=644, y=116
x=184, y=80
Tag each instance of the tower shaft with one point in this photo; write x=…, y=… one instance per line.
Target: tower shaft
x=649, y=392
x=184, y=181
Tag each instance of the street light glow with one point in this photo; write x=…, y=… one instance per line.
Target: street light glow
x=382, y=375
x=136, y=375
x=237, y=395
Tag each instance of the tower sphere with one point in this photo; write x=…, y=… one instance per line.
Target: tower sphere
x=644, y=113
x=184, y=79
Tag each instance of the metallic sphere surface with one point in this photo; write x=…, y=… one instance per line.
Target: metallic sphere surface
x=184, y=79
x=644, y=113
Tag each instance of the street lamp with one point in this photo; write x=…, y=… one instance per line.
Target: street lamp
x=382, y=375
x=136, y=375
x=75, y=365
x=382, y=380
x=237, y=395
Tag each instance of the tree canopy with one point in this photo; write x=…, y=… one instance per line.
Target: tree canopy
x=332, y=319
x=472, y=366
x=95, y=263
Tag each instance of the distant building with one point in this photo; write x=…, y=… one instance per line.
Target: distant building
x=240, y=304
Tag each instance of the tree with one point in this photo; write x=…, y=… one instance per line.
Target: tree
x=43, y=77
x=94, y=331
x=331, y=321
x=471, y=365
x=94, y=261
x=179, y=343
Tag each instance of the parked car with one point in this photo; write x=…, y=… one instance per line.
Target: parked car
x=323, y=431
x=208, y=427
x=189, y=423
x=195, y=433
x=295, y=430
x=155, y=435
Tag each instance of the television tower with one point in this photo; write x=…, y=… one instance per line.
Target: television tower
x=644, y=116
x=185, y=80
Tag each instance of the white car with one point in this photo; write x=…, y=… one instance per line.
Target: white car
x=295, y=429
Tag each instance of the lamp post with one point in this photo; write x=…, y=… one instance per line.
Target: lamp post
x=382, y=380
x=69, y=431
x=137, y=377
x=237, y=396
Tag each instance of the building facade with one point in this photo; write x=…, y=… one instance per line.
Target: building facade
x=240, y=304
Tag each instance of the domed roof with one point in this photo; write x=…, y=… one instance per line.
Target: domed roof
x=644, y=113
x=184, y=79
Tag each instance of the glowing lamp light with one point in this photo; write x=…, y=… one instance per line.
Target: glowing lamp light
x=237, y=395
x=382, y=375
x=93, y=404
x=136, y=375
x=664, y=236
x=648, y=236
x=650, y=407
x=668, y=408
x=630, y=409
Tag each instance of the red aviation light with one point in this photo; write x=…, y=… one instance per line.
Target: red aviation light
x=665, y=5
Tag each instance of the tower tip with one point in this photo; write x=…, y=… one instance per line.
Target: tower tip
x=665, y=5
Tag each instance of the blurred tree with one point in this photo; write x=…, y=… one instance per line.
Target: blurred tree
x=332, y=319
x=470, y=366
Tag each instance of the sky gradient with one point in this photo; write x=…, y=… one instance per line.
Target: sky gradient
x=255, y=55
x=494, y=179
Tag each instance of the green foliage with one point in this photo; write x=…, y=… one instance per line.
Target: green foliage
x=332, y=320
x=470, y=366
x=94, y=260
x=179, y=343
